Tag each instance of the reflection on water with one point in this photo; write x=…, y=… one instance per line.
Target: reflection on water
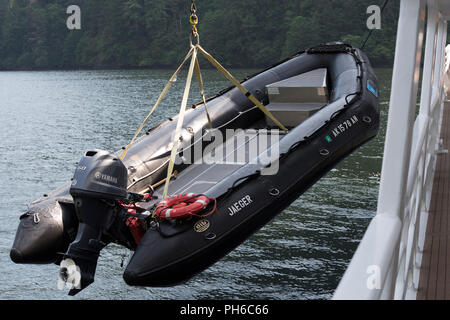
x=49, y=118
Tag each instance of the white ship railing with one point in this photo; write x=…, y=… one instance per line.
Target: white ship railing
x=386, y=264
x=447, y=71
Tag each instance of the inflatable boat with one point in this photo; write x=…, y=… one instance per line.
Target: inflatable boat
x=227, y=182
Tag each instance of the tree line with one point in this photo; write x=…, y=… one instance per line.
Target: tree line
x=155, y=33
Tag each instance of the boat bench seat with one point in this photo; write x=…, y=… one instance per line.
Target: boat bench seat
x=295, y=99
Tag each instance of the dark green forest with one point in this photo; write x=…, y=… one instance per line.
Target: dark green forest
x=155, y=33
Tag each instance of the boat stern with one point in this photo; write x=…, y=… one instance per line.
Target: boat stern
x=43, y=231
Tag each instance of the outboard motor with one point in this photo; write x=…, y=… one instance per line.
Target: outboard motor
x=100, y=180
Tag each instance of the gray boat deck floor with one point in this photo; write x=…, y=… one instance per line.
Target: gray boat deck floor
x=220, y=162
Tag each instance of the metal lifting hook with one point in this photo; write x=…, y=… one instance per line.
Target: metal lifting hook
x=193, y=7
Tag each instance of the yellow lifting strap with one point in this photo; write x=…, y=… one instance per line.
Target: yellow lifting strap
x=161, y=96
x=176, y=139
x=228, y=75
x=194, y=66
x=202, y=91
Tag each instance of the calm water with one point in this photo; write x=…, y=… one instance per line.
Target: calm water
x=48, y=119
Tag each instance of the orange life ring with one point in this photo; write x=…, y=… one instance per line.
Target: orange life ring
x=181, y=206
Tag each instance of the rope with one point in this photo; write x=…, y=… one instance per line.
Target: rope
x=355, y=95
x=228, y=75
x=180, y=122
x=233, y=186
x=161, y=96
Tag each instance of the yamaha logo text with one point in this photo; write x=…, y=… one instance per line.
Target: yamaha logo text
x=105, y=177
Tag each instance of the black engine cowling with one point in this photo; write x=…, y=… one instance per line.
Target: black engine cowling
x=100, y=180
